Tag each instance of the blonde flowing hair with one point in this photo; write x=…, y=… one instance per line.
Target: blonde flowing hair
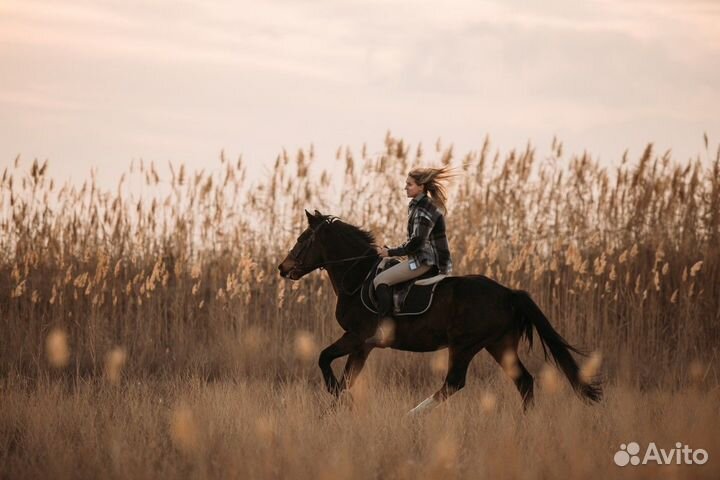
x=433, y=181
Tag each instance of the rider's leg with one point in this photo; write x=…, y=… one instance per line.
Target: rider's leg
x=393, y=275
x=400, y=273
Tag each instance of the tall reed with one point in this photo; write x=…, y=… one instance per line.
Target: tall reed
x=624, y=259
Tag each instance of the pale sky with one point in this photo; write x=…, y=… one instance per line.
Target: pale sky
x=101, y=82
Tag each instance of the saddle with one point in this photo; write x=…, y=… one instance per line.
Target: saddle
x=413, y=297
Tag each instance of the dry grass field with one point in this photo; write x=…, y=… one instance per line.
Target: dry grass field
x=149, y=335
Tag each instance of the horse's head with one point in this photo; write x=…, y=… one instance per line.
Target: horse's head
x=306, y=255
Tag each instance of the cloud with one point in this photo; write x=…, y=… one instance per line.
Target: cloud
x=36, y=100
x=196, y=36
x=196, y=75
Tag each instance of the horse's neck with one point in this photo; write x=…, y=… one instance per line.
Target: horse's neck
x=348, y=275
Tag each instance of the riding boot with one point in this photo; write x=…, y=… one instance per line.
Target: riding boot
x=383, y=297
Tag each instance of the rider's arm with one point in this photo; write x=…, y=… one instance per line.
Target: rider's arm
x=423, y=223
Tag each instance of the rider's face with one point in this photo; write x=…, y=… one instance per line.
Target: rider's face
x=411, y=188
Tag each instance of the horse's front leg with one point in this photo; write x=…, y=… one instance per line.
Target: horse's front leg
x=353, y=367
x=348, y=343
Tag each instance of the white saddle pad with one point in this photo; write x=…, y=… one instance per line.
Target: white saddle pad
x=431, y=280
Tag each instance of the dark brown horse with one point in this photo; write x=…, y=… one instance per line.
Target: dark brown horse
x=469, y=313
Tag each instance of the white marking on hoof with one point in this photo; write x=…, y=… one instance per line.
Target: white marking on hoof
x=427, y=404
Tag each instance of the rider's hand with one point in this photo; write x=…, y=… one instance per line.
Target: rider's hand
x=382, y=251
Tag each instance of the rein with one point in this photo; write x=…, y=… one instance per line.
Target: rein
x=349, y=259
x=322, y=265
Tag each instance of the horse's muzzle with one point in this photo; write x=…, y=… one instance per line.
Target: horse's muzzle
x=289, y=270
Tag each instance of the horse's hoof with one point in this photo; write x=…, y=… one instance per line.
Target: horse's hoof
x=326, y=412
x=345, y=399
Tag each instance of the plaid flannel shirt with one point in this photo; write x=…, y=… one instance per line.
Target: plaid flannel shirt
x=427, y=242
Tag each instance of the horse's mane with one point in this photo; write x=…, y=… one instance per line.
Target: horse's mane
x=351, y=232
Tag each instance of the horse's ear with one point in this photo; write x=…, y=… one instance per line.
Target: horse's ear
x=318, y=214
x=310, y=217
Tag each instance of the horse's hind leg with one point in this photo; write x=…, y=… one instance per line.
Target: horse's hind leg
x=505, y=353
x=458, y=363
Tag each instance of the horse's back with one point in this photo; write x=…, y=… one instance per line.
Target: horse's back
x=474, y=285
x=474, y=302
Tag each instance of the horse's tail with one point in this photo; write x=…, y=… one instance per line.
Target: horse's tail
x=529, y=315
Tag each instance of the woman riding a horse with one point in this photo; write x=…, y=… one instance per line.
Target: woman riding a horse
x=427, y=243
x=469, y=313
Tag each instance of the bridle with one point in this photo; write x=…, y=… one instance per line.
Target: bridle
x=298, y=257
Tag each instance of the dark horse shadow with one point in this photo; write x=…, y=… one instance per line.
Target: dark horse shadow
x=469, y=313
